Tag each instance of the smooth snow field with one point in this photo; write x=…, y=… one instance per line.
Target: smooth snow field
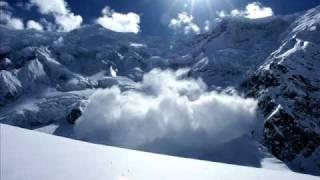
x=30, y=155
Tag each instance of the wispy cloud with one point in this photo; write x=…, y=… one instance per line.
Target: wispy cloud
x=184, y=23
x=253, y=10
x=6, y=17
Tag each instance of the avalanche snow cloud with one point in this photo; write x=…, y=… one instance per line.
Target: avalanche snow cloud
x=169, y=113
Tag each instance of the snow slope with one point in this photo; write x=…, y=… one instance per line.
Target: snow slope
x=30, y=155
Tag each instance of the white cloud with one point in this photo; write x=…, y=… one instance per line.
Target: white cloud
x=184, y=22
x=68, y=22
x=253, y=10
x=7, y=19
x=236, y=12
x=4, y=5
x=207, y=26
x=15, y=23
x=31, y=24
x=169, y=111
x=118, y=22
x=107, y=11
x=64, y=18
x=51, y=6
x=256, y=10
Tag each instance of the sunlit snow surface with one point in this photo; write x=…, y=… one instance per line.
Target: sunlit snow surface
x=30, y=155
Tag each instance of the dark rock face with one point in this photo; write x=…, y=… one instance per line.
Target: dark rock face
x=287, y=86
x=290, y=102
x=10, y=87
x=287, y=138
x=292, y=112
x=74, y=115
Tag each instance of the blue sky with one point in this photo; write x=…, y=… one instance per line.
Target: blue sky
x=156, y=15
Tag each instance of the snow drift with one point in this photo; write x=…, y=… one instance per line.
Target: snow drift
x=169, y=112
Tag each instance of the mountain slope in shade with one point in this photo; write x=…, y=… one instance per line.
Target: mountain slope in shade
x=288, y=88
x=29, y=155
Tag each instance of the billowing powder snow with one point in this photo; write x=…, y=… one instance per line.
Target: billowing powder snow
x=169, y=111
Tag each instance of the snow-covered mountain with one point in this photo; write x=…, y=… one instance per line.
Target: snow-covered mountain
x=46, y=78
x=288, y=88
x=234, y=49
x=55, y=71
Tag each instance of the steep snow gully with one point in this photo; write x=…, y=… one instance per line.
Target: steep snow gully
x=246, y=93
